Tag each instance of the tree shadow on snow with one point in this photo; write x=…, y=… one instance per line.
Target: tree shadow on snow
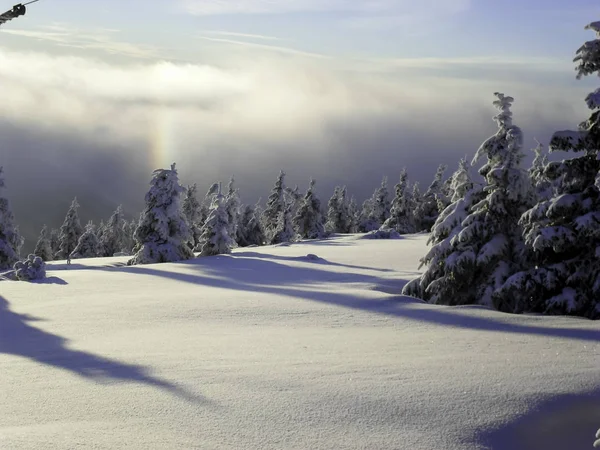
x=305, y=258
x=564, y=422
x=19, y=338
x=260, y=275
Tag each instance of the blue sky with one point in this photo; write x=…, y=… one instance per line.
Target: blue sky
x=98, y=94
x=358, y=28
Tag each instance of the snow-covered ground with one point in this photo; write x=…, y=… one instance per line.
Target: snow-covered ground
x=270, y=349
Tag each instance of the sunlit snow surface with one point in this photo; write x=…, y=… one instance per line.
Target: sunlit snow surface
x=269, y=348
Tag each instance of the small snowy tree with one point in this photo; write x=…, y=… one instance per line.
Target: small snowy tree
x=162, y=234
x=339, y=218
x=294, y=199
x=541, y=183
x=113, y=235
x=285, y=228
x=308, y=220
x=88, y=245
x=276, y=205
x=353, y=215
x=232, y=205
x=400, y=215
x=33, y=268
x=70, y=231
x=128, y=232
x=432, y=202
x=206, y=203
x=192, y=212
x=215, y=239
x=250, y=231
x=43, y=249
x=55, y=241
x=430, y=286
x=380, y=205
x=9, y=235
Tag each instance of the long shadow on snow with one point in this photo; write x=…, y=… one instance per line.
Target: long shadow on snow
x=19, y=338
x=567, y=421
x=246, y=254
x=258, y=275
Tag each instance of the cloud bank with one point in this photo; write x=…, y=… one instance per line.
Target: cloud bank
x=80, y=126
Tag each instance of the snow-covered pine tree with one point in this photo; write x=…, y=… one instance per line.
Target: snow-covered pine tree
x=353, y=214
x=113, y=235
x=215, y=239
x=562, y=233
x=400, y=215
x=89, y=246
x=308, y=221
x=339, y=219
x=465, y=194
x=250, y=230
x=332, y=225
x=487, y=248
x=285, y=227
x=128, y=232
x=276, y=205
x=364, y=222
x=55, y=241
x=162, y=234
x=380, y=205
x=432, y=201
x=43, y=249
x=541, y=183
x=9, y=235
x=232, y=205
x=294, y=199
x=206, y=203
x=192, y=211
x=70, y=231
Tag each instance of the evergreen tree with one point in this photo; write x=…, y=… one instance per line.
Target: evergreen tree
x=162, y=234
x=432, y=284
x=353, y=215
x=9, y=235
x=55, y=241
x=113, y=236
x=400, y=215
x=215, y=239
x=294, y=199
x=250, y=231
x=89, y=246
x=276, y=205
x=339, y=218
x=128, y=232
x=380, y=205
x=540, y=182
x=432, y=202
x=206, y=203
x=285, y=228
x=70, y=231
x=192, y=209
x=308, y=221
x=232, y=205
x=562, y=233
x=487, y=248
x=43, y=248
x=365, y=223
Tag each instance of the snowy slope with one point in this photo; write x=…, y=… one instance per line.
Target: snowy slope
x=270, y=349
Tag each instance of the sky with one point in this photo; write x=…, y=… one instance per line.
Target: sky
x=96, y=95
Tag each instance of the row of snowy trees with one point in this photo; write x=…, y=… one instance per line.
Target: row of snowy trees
x=523, y=240
x=288, y=215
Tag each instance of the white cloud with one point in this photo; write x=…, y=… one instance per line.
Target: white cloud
x=101, y=39
x=373, y=7
x=265, y=47
x=243, y=35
